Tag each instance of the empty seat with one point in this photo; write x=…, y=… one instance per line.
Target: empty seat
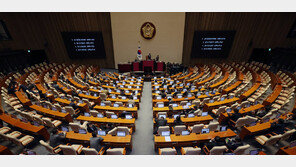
x=190, y=150
x=241, y=150
x=178, y=129
x=167, y=151
x=49, y=148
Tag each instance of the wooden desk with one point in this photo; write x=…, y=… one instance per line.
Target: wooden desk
x=77, y=84
x=207, y=79
x=68, y=91
x=44, y=91
x=82, y=106
x=118, y=109
x=231, y=87
x=93, y=83
x=252, y=130
x=189, y=140
x=25, y=127
x=53, y=114
x=287, y=150
x=185, y=76
x=166, y=109
x=109, y=140
x=196, y=77
x=224, y=79
x=118, y=121
x=90, y=97
x=272, y=97
x=115, y=93
x=216, y=104
x=23, y=98
x=250, y=91
x=224, y=116
x=174, y=99
x=5, y=151
x=173, y=76
x=191, y=121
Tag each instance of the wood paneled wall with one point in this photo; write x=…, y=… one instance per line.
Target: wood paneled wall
x=43, y=31
x=253, y=30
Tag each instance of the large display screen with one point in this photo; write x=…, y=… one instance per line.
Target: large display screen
x=84, y=44
x=212, y=44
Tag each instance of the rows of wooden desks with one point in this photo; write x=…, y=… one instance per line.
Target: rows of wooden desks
x=191, y=121
x=82, y=106
x=216, y=104
x=256, y=129
x=53, y=114
x=224, y=116
x=166, y=109
x=109, y=140
x=196, y=77
x=185, y=76
x=77, y=85
x=207, y=79
x=119, y=121
x=223, y=80
x=65, y=89
x=271, y=98
x=189, y=140
x=250, y=91
x=133, y=110
x=115, y=93
x=25, y=127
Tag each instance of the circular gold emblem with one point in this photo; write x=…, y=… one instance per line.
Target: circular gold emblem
x=148, y=30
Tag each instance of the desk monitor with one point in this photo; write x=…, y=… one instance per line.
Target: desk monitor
x=121, y=133
x=138, y=87
x=179, y=96
x=87, y=93
x=101, y=133
x=126, y=91
x=109, y=90
x=222, y=98
x=171, y=82
x=123, y=82
x=185, y=132
x=54, y=109
x=161, y=77
x=184, y=90
x=103, y=104
x=64, y=128
x=30, y=152
x=223, y=128
x=189, y=95
x=113, y=116
x=169, y=97
x=135, y=98
x=154, y=77
x=248, y=105
x=116, y=105
x=123, y=97
x=129, y=87
x=160, y=105
x=121, y=86
x=113, y=97
x=293, y=143
x=165, y=86
x=198, y=94
x=95, y=88
x=82, y=131
x=164, y=116
x=185, y=107
x=63, y=111
x=176, y=115
x=117, y=81
x=36, y=123
x=256, y=102
x=181, y=85
x=86, y=114
x=190, y=115
x=131, y=83
x=158, y=97
x=157, y=91
x=175, y=105
x=254, y=152
x=128, y=116
x=130, y=106
x=100, y=115
x=80, y=101
x=205, y=131
x=192, y=88
x=156, y=87
x=214, y=91
x=188, y=104
x=228, y=110
x=211, y=101
x=118, y=91
x=96, y=95
x=24, y=120
x=165, y=133
x=204, y=114
x=229, y=154
x=136, y=92
x=188, y=84
x=207, y=93
x=239, y=107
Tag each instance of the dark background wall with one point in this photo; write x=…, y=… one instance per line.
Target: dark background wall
x=253, y=30
x=38, y=31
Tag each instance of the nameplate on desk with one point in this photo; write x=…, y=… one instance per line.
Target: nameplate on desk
x=167, y=138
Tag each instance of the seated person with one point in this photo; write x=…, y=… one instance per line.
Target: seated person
x=178, y=121
x=217, y=141
x=159, y=122
x=232, y=144
x=235, y=116
x=107, y=127
x=91, y=128
x=278, y=127
x=56, y=138
x=96, y=142
x=73, y=105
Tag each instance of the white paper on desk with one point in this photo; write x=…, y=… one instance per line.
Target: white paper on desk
x=167, y=138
